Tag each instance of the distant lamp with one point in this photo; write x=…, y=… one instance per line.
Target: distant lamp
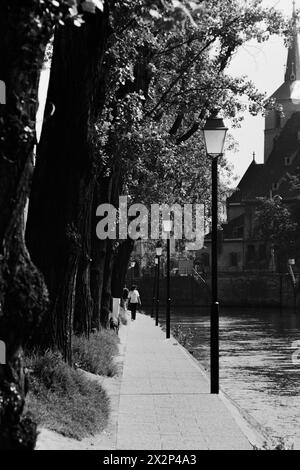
x=167, y=225
x=214, y=133
x=158, y=251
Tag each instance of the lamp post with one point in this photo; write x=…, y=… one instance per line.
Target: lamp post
x=291, y=263
x=214, y=133
x=132, y=264
x=158, y=255
x=167, y=226
x=154, y=285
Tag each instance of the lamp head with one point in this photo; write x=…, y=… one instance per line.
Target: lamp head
x=214, y=133
x=158, y=251
x=167, y=225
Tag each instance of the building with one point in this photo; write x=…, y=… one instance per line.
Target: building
x=238, y=248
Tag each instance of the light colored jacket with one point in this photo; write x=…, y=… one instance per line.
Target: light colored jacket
x=134, y=296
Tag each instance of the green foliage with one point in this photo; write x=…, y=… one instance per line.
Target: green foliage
x=275, y=225
x=280, y=444
x=96, y=354
x=165, y=72
x=63, y=399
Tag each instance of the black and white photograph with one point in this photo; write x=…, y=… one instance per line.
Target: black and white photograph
x=149, y=228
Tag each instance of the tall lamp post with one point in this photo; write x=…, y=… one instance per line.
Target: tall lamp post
x=167, y=226
x=158, y=255
x=291, y=263
x=154, y=286
x=214, y=133
x=132, y=264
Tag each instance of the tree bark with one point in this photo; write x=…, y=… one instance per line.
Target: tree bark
x=102, y=194
x=58, y=226
x=120, y=267
x=23, y=294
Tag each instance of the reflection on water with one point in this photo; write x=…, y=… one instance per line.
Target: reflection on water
x=256, y=367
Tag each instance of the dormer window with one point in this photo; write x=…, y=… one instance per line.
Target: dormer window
x=275, y=186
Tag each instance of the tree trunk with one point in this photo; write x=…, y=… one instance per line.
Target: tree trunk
x=59, y=219
x=106, y=297
x=23, y=294
x=120, y=267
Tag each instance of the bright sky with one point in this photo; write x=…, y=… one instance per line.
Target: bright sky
x=265, y=65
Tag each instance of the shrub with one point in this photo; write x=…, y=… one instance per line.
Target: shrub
x=63, y=399
x=96, y=354
x=183, y=336
x=279, y=444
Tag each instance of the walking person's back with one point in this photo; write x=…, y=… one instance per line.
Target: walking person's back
x=134, y=301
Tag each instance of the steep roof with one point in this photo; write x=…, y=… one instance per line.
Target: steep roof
x=259, y=179
x=251, y=185
x=276, y=169
x=290, y=89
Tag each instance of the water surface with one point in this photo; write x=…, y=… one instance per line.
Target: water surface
x=256, y=365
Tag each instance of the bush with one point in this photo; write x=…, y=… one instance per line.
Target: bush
x=63, y=399
x=96, y=354
x=184, y=336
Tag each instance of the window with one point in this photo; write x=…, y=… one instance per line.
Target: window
x=233, y=258
x=275, y=186
x=251, y=253
x=238, y=232
x=262, y=252
x=287, y=161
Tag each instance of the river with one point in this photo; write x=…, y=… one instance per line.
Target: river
x=256, y=365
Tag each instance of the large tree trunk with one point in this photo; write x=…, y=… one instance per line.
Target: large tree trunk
x=102, y=194
x=59, y=212
x=23, y=294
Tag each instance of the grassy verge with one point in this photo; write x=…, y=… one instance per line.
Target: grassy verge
x=96, y=354
x=63, y=399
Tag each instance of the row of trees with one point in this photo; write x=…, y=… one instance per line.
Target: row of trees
x=131, y=83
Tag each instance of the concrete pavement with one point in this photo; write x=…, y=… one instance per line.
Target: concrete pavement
x=164, y=400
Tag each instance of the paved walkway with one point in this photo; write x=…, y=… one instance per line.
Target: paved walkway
x=164, y=400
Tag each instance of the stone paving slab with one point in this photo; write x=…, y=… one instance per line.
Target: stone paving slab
x=164, y=398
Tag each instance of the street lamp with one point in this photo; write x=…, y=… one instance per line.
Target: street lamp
x=291, y=263
x=132, y=265
x=158, y=255
x=214, y=133
x=154, y=285
x=167, y=227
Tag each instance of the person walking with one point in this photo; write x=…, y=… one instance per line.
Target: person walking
x=134, y=301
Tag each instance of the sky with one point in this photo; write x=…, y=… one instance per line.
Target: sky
x=264, y=64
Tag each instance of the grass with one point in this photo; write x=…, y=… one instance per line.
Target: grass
x=183, y=336
x=62, y=399
x=96, y=354
x=279, y=444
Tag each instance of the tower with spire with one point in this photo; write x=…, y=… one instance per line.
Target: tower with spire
x=287, y=95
